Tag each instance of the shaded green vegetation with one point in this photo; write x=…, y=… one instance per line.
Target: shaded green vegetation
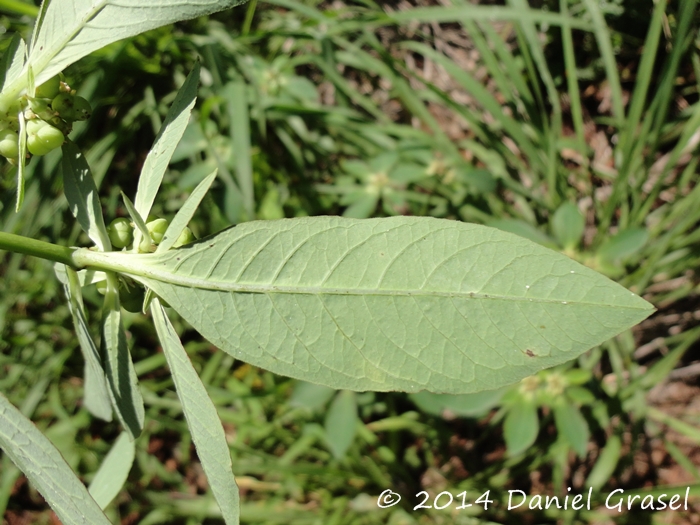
x=462, y=112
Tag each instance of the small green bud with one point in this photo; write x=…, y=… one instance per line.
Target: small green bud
x=63, y=105
x=185, y=237
x=157, y=229
x=81, y=109
x=121, y=233
x=9, y=144
x=43, y=138
x=48, y=89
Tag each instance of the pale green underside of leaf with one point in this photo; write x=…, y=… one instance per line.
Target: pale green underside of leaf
x=46, y=469
x=12, y=60
x=95, y=393
x=185, y=214
x=401, y=303
x=162, y=151
x=202, y=419
x=73, y=29
x=119, y=368
x=82, y=196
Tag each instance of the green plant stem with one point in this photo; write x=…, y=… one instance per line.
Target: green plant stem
x=45, y=250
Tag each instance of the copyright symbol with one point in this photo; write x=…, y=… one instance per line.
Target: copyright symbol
x=388, y=498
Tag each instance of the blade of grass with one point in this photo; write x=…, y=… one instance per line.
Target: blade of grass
x=572, y=81
x=239, y=128
x=642, y=83
x=19, y=8
x=649, y=135
x=554, y=131
x=486, y=14
x=510, y=63
x=602, y=35
x=486, y=99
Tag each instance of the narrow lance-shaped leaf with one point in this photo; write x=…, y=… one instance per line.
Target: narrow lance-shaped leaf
x=185, y=213
x=21, y=161
x=96, y=395
x=72, y=29
x=202, y=419
x=46, y=469
x=83, y=198
x=401, y=303
x=113, y=471
x=141, y=231
x=164, y=146
x=121, y=376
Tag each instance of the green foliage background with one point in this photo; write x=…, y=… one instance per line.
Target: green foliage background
x=366, y=109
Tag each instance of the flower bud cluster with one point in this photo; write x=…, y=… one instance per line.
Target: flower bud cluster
x=49, y=116
x=121, y=234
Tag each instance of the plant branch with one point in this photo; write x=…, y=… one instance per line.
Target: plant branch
x=45, y=250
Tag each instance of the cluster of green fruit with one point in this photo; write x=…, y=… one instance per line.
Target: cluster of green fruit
x=121, y=234
x=49, y=117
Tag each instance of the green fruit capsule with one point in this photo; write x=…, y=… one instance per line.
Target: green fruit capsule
x=48, y=89
x=45, y=138
x=81, y=109
x=121, y=233
x=185, y=237
x=101, y=287
x=9, y=144
x=157, y=229
x=63, y=105
x=34, y=125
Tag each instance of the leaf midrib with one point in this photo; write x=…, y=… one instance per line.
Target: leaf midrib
x=142, y=270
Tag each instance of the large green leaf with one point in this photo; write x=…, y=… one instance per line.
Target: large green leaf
x=68, y=30
x=46, y=469
x=402, y=303
x=71, y=29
